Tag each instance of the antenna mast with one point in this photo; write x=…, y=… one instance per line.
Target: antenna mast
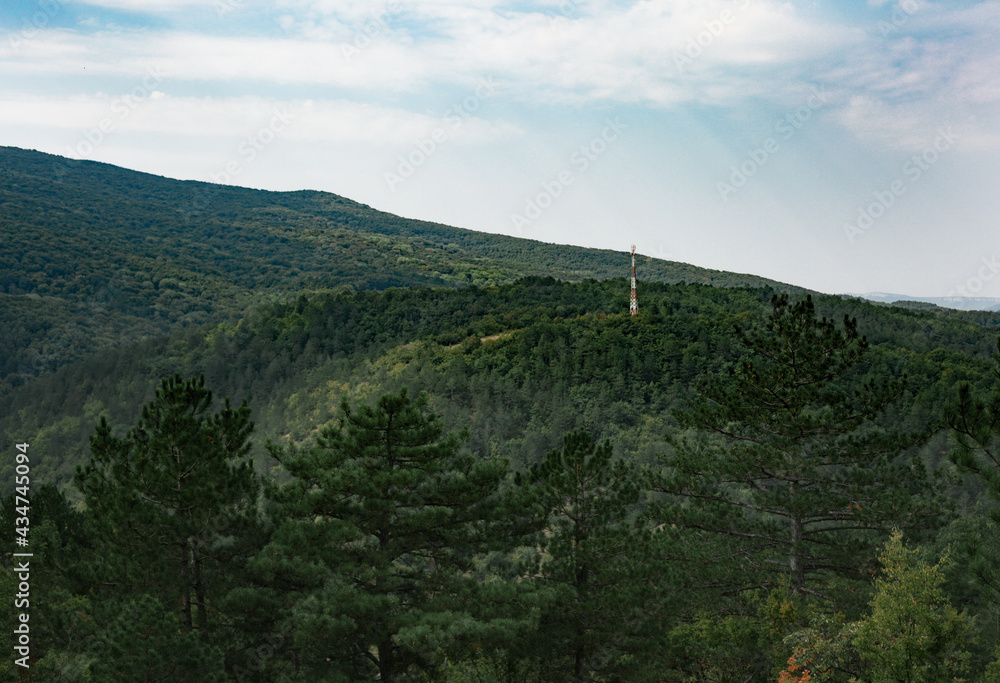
x=633, y=305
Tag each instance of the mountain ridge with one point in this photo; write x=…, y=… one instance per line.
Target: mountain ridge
x=173, y=253
x=958, y=303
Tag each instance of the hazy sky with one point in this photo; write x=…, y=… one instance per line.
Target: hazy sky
x=847, y=146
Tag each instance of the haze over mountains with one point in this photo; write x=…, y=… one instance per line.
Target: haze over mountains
x=107, y=198
x=961, y=303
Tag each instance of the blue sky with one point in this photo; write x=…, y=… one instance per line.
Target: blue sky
x=846, y=147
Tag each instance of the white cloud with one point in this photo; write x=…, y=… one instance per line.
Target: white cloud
x=942, y=68
x=596, y=53
x=153, y=6
x=315, y=121
x=657, y=53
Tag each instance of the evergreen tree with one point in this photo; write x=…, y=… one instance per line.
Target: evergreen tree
x=597, y=557
x=787, y=460
x=147, y=642
x=378, y=530
x=165, y=497
x=975, y=426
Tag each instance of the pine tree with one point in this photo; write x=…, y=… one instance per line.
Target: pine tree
x=594, y=553
x=161, y=498
x=787, y=461
x=60, y=543
x=975, y=427
x=378, y=530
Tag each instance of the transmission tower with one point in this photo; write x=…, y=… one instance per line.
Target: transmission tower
x=633, y=305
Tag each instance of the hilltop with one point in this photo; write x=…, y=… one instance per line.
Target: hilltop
x=99, y=256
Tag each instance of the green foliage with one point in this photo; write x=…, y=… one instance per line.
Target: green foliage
x=8, y=621
x=595, y=556
x=293, y=362
x=153, y=645
x=745, y=644
x=379, y=526
x=975, y=427
x=60, y=614
x=911, y=633
x=553, y=357
x=796, y=467
x=160, y=498
x=311, y=592
x=497, y=668
x=823, y=651
x=174, y=254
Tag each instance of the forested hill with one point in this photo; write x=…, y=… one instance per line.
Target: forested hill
x=519, y=364
x=97, y=256
x=461, y=458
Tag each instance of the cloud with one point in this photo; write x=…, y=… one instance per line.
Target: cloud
x=313, y=121
x=595, y=53
x=936, y=68
x=935, y=65
x=154, y=6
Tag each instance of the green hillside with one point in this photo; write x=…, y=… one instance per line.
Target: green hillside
x=467, y=461
x=97, y=256
x=515, y=367
x=518, y=364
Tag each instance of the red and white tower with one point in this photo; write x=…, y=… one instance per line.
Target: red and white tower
x=633, y=305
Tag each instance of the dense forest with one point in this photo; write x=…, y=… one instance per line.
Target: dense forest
x=98, y=256
x=489, y=473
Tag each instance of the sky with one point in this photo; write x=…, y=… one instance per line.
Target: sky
x=848, y=147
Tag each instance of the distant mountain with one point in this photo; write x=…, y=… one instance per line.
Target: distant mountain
x=960, y=303
x=97, y=256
